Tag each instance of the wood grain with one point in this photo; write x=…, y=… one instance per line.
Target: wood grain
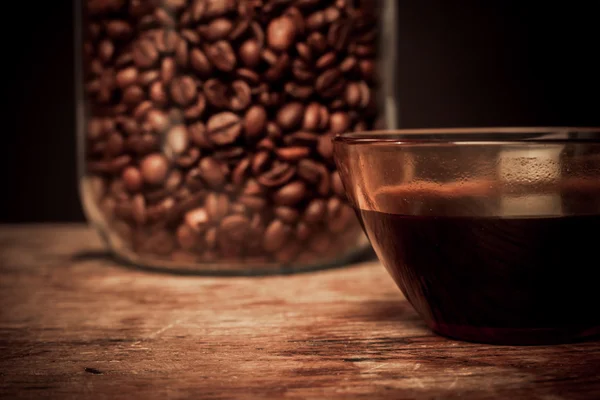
x=75, y=324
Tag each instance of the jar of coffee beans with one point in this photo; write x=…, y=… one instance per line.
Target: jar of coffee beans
x=206, y=126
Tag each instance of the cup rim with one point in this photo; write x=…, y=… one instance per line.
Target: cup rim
x=473, y=136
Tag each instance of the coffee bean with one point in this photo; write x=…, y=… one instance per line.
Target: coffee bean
x=302, y=71
x=211, y=238
x=339, y=122
x=304, y=51
x=216, y=93
x=288, y=252
x=126, y=77
x=255, y=121
x=133, y=179
x=315, y=211
x=287, y=214
x=147, y=77
x=250, y=53
x=299, y=92
x=235, y=227
x=158, y=120
x=217, y=206
x=281, y=33
x=278, y=175
x=303, y=231
x=199, y=136
x=241, y=97
x=253, y=202
x=154, y=169
x=327, y=60
x=114, y=145
x=138, y=209
x=367, y=70
x=348, y=65
x=221, y=55
x=158, y=94
x=329, y=83
x=291, y=194
x=196, y=110
x=339, y=218
x=133, y=95
x=224, y=128
x=325, y=147
x=200, y=63
x=119, y=30
x=248, y=76
x=186, y=237
x=339, y=35
x=167, y=70
x=197, y=219
x=212, y=172
x=182, y=54
x=183, y=90
x=145, y=53
x=276, y=235
x=337, y=185
x=217, y=29
x=176, y=140
x=290, y=116
x=292, y=154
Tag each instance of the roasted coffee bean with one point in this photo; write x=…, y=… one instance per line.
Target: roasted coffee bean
x=276, y=236
x=287, y=214
x=241, y=96
x=315, y=211
x=339, y=122
x=196, y=110
x=235, y=227
x=217, y=206
x=292, y=154
x=250, y=53
x=127, y=77
x=255, y=122
x=154, y=169
x=221, y=56
x=212, y=172
x=211, y=124
x=186, y=237
x=158, y=120
x=325, y=147
x=200, y=63
x=217, y=29
x=290, y=116
x=145, y=53
x=216, y=93
x=177, y=140
x=281, y=33
x=224, y=128
x=291, y=194
x=168, y=69
x=133, y=179
x=197, y=219
x=183, y=90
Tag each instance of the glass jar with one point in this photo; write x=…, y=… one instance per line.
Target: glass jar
x=205, y=129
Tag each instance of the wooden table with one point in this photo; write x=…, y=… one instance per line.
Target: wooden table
x=75, y=324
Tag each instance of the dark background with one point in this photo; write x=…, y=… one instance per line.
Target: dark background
x=461, y=63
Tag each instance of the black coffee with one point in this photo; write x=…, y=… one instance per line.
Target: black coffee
x=491, y=279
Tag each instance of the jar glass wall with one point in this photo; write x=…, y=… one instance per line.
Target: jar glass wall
x=205, y=129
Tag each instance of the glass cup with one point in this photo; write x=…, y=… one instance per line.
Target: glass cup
x=205, y=129
x=491, y=234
